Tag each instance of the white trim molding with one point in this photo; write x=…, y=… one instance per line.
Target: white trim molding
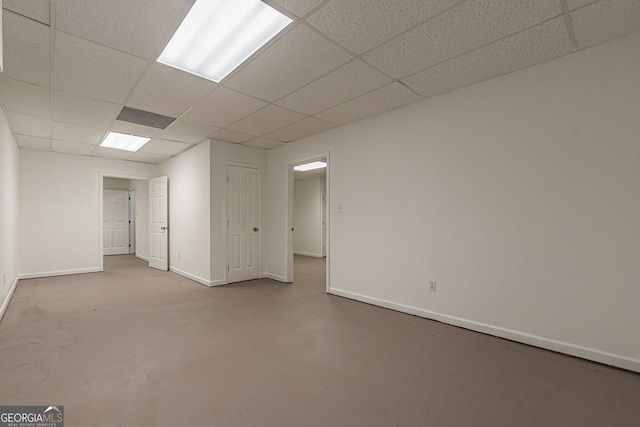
x=59, y=273
x=592, y=354
x=274, y=277
x=191, y=276
x=7, y=298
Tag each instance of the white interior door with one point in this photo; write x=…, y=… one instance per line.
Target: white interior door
x=159, y=223
x=115, y=225
x=243, y=221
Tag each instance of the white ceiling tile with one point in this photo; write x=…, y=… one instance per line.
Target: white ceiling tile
x=80, y=110
x=138, y=27
x=184, y=131
x=168, y=91
x=605, y=20
x=88, y=69
x=362, y=25
x=574, y=4
x=148, y=158
x=387, y=98
x=134, y=129
x=77, y=133
x=297, y=58
x=26, y=49
x=266, y=120
x=298, y=7
x=72, y=147
x=25, y=141
x=230, y=136
x=347, y=82
x=25, y=98
x=163, y=147
x=542, y=43
x=301, y=129
x=223, y=107
x=264, y=143
x=37, y=10
x=29, y=125
x=111, y=153
x=459, y=30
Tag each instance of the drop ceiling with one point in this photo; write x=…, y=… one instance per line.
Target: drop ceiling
x=70, y=66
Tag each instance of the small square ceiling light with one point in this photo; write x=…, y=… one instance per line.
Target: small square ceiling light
x=310, y=166
x=122, y=141
x=217, y=36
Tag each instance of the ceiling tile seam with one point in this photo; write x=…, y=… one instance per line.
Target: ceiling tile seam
x=257, y=111
x=442, y=12
x=569, y=24
x=355, y=58
x=480, y=47
x=315, y=9
x=394, y=81
x=171, y=31
x=52, y=52
x=102, y=45
x=26, y=17
x=292, y=25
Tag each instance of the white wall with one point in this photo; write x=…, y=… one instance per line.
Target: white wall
x=307, y=217
x=519, y=195
x=189, y=213
x=8, y=212
x=223, y=154
x=60, y=210
x=115, y=183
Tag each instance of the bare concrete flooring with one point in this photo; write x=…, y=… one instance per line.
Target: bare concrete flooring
x=136, y=347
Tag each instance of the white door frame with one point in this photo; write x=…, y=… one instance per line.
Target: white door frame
x=100, y=208
x=226, y=215
x=132, y=220
x=290, y=196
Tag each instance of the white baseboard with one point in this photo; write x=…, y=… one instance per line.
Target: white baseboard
x=592, y=354
x=144, y=258
x=58, y=273
x=274, y=277
x=308, y=254
x=7, y=298
x=219, y=282
x=191, y=276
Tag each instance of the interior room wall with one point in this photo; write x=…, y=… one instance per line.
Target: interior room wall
x=8, y=212
x=189, y=213
x=109, y=183
x=59, y=210
x=519, y=196
x=307, y=217
x=223, y=154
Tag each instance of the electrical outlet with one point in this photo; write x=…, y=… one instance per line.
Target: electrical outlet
x=178, y=256
x=433, y=285
x=4, y=278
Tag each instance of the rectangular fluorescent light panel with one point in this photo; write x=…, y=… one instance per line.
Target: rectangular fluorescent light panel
x=310, y=166
x=122, y=141
x=217, y=36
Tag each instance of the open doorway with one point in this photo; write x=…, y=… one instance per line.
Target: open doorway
x=124, y=213
x=308, y=218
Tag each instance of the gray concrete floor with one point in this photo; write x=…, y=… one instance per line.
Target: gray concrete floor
x=136, y=347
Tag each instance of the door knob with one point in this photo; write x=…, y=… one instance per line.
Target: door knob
x=255, y=229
